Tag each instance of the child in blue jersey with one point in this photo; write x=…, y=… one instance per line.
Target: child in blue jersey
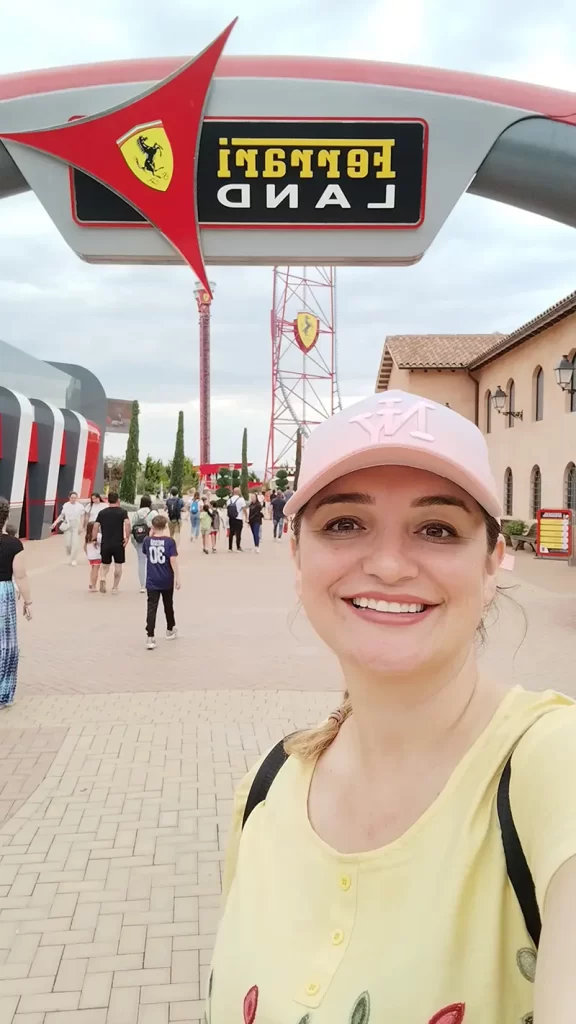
x=162, y=576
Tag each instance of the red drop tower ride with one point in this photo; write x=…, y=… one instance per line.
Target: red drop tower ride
x=304, y=358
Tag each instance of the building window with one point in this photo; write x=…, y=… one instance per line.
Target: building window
x=508, y=492
x=538, y=393
x=570, y=486
x=511, y=392
x=488, y=406
x=573, y=395
x=535, y=491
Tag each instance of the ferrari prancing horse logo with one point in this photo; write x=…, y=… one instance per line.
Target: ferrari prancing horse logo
x=148, y=153
x=306, y=330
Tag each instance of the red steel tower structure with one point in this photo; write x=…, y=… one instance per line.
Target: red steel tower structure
x=304, y=358
x=204, y=302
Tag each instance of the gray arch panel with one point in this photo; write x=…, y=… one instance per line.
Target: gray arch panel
x=532, y=165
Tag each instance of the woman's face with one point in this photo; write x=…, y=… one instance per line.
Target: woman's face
x=393, y=569
x=96, y=499
x=73, y=497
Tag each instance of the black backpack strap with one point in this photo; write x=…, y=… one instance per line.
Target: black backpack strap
x=264, y=778
x=516, y=863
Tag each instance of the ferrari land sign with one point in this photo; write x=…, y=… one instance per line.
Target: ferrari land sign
x=267, y=174
x=261, y=173
x=263, y=161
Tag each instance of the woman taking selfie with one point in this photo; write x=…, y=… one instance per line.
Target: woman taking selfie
x=392, y=865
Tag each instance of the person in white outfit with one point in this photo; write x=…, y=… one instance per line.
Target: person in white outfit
x=140, y=528
x=72, y=519
x=96, y=505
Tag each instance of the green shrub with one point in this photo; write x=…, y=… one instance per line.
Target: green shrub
x=514, y=528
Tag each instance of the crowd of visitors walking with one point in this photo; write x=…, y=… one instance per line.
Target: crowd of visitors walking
x=102, y=529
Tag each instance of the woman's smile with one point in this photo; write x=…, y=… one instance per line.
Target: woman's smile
x=389, y=610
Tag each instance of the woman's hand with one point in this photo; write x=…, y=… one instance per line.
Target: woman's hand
x=27, y=611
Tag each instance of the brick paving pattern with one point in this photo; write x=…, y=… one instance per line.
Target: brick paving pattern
x=25, y=757
x=124, y=762
x=110, y=873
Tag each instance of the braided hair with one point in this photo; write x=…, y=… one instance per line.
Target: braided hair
x=4, y=510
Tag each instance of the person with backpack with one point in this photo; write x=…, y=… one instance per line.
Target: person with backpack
x=195, y=509
x=235, y=510
x=140, y=528
x=399, y=861
x=174, y=506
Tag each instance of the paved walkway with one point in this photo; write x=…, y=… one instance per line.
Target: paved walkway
x=117, y=768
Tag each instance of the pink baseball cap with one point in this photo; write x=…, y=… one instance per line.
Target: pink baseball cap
x=395, y=428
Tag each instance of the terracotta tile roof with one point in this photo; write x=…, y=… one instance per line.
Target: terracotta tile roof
x=539, y=323
x=463, y=351
x=439, y=351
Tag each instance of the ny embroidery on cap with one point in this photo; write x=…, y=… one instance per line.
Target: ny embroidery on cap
x=386, y=422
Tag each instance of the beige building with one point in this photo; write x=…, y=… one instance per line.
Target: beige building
x=532, y=440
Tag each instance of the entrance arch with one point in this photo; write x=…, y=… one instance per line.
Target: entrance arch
x=324, y=161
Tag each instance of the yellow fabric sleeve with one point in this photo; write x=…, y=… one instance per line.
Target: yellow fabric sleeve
x=240, y=798
x=543, y=795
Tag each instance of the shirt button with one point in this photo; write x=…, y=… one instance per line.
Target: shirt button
x=312, y=988
x=337, y=937
x=345, y=882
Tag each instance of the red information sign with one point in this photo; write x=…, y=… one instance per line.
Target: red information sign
x=554, y=533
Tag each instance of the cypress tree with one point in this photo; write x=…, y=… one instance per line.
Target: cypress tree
x=177, y=474
x=131, y=463
x=244, y=474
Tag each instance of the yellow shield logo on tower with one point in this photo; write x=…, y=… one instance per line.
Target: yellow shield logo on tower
x=148, y=153
x=306, y=330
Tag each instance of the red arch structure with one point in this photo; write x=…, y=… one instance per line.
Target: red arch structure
x=288, y=161
x=513, y=141
x=557, y=104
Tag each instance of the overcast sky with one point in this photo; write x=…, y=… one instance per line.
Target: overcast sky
x=490, y=269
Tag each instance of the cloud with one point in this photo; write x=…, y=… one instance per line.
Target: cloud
x=490, y=268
